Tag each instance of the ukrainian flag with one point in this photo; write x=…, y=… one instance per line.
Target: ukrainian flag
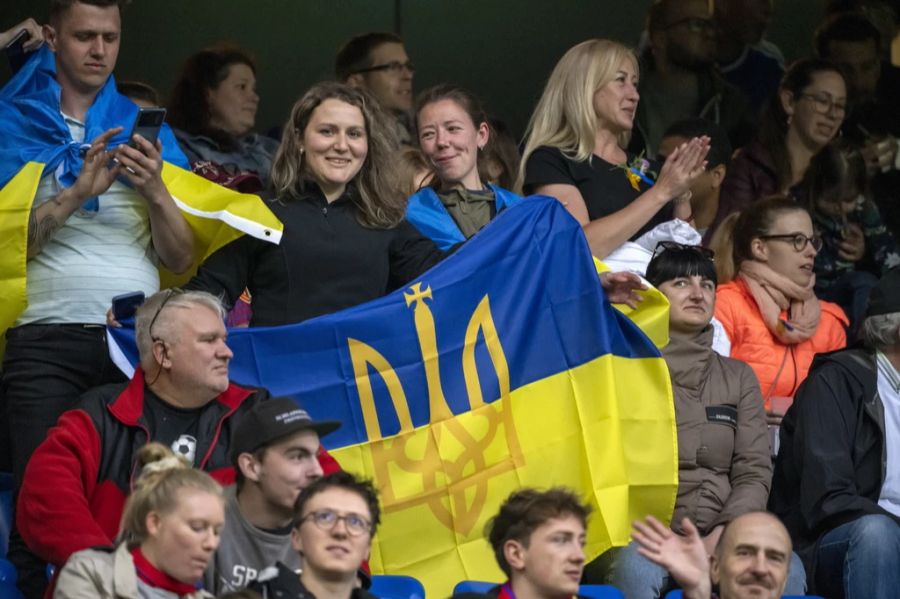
x=35, y=141
x=501, y=367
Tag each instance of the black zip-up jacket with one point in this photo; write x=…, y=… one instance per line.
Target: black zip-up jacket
x=326, y=261
x=831, y=465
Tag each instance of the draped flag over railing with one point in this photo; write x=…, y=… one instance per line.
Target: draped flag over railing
x=501, y=367
x=35, y=141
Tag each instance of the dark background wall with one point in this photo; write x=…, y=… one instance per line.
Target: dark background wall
x=502, y=49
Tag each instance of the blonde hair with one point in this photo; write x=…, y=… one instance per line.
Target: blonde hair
x=379, y=199
x=162, y=476
x=720, y=244
x=565, y=117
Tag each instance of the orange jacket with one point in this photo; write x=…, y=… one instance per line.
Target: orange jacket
x=780, y=368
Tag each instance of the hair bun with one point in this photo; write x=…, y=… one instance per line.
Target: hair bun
x=156, y=457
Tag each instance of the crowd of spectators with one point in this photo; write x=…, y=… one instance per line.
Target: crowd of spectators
x=762, y=195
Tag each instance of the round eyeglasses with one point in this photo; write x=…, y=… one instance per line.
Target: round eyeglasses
x=798, y=240
x=326, y=520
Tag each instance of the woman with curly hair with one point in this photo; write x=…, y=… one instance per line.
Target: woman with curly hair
x=338, y=193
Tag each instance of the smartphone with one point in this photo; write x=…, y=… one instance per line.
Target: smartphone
x=15, y=51
x=147, y=124
x=125, y=305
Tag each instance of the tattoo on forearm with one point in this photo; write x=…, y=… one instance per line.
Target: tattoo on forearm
x=40, y=232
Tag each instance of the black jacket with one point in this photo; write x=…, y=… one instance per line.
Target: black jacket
x=326, y=261
x=281, y=582
x=831, y=464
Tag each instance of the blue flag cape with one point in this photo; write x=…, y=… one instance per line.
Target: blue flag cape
x=32, y=129
x=428, y=214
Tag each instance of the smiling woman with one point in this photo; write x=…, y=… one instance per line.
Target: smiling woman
x=453, y=134
x=345, y=238
x=574, y=150
x=170, y=530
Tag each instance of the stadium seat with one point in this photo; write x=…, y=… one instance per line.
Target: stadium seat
x=6, y=510
x=397, y=587
x=473, y=586
x=8, y=577
x=678, y=595
x=593, y=591
x=600, y=591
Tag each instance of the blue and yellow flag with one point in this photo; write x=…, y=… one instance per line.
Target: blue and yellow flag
x=35, y=141
x=501, y=367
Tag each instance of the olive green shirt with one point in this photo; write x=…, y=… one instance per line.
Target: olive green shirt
x=471, y=209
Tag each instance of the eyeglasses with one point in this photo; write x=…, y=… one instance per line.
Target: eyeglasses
x=823, y=104
x=798, y=240
x=394, y=67
x=674, y=246
x=171, y=293
x=326, y=520
x=694, y=24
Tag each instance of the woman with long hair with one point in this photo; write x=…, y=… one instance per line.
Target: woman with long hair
x=345, y=238
x=170, y=530
x=454, y=133
x=575, y=150
x=213, y=110
x=801, y=119
x=770, y=311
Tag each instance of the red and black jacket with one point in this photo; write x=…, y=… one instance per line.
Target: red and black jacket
x=76, y=482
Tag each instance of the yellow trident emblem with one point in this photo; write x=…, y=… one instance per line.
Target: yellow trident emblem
x=448, y=456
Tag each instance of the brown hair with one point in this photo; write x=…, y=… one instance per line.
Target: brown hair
x=756, y=221
x=524, y=511
x=378, y=196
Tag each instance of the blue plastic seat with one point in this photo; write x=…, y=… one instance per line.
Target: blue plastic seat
x=677, y=594
x=593, y=591
x=473, y=586
x=8, y=578
x=600, y=591
x=397, y=587
x=6, y=510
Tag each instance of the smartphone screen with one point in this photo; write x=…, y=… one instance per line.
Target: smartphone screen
x=147, y=124
x=15, y=51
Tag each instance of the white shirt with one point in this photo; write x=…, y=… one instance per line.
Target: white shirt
x=93, y=257
x=889, y=392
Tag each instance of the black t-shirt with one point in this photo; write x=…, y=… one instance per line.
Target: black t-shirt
x=603, y=185
x=174, y=427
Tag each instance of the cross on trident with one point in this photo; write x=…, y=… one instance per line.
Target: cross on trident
x=447, y=457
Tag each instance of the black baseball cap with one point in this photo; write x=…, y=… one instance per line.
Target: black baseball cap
x=271, y=420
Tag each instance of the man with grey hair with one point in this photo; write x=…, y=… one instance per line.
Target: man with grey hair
x=837, y=476
x=78, y=479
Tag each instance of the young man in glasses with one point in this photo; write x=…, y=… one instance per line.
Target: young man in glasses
x=335, y=519
x=679, y=78
x=78, y=479
x=275, y=450
x=377, y=63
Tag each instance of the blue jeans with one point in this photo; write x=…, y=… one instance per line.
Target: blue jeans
x=860, y=559
x=639, y=578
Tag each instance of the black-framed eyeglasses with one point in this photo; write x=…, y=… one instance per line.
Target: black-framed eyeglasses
x=326, y=520
x=798, y=240
x=694, y=24
x=824, y=104
x=171, y=293
x=674, y=246
x=395, y=67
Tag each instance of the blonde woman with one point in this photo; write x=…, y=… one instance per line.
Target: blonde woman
x=575, y=150
x=170, y=530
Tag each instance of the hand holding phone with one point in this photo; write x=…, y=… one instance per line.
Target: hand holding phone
x=125, y=306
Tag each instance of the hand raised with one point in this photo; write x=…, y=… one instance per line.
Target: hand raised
x=684, y=556
x=96, y=176
x=685, y=164
x=622, y=288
